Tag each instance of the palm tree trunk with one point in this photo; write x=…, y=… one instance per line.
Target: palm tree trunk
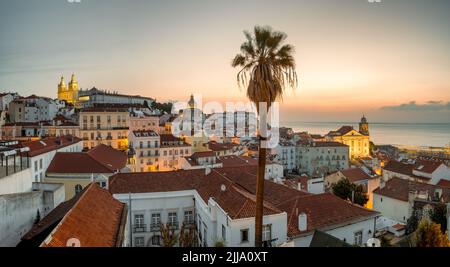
x=260, y=194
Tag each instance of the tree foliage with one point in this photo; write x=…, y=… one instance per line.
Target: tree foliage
x=429, y=234
x=412, y=223
x=344, y=188
x=169, y=238
x=164, y=107
x=188, y=236
x=267, y=67
x=439, y=215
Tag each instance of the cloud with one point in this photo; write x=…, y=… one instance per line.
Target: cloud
x=427, y=106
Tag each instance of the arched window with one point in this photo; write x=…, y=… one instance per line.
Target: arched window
x=78, y=189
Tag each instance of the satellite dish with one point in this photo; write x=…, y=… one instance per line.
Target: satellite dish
x=374, y=242
x=223, y=188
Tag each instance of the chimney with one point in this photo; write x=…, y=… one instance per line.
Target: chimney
x=299, y=186
x=207, y=170
x=302, y=221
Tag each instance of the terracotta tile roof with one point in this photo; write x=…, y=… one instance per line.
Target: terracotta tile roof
x=96, y=220
x=407, y=168
x=398, y=188
x=355, y=174
x=399, y=167
x=51, y=220
x=100, y=159
x=236, y=161
x=292, y=181
x=76, y=162
x=235, y=200
x=398, y=226
x=426, y=166
x=109, y=156
x=48, y=144
x=323, y=211
x=341, y=131
x=444, y=183
x=203, y=154
x=238, y=199
x=214, y=146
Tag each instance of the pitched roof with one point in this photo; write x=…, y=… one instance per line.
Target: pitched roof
x=50, y=221
x=426, y=166
x=109, y=156
x=399, y=167
x=238, y=199
x=100, y=159
x=234, y=200
x=355, y=174
x=202, y=154
x=214, y=146
x=235, y=161
x=48, y=144
x=444, y=183
x=96, y=220
x=323, y=211
x=322, y=239
x=398, y=188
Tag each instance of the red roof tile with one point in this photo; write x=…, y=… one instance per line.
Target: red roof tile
x=109, y=156
x=238, y=198
x=444, y=183
x=355, y=175
x=398, y=188
x=96, y=220
x=48, y=144
x=100, y=159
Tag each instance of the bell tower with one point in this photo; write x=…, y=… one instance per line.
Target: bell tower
x=62, y=89
x=364, y=126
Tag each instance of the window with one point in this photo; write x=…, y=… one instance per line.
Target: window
x=156, y=219
x=139, y=241
x=358, y=238
x=40, y=164
x=267, y=232
x=156, y=240
x=189, y=216
x=139, y=220
x=172, y=218
x=78, y=189
x=35, y=165
x=224, y=233
x=244, y=235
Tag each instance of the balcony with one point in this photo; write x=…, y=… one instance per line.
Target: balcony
x=173, y=225
x=189, y=223
x=139, y=228
x=154, y=227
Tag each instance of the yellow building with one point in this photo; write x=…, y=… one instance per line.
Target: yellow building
x=68, y=94
x=103, y=125
x=358, y=141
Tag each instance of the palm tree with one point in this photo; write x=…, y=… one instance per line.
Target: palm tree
x=267, y=68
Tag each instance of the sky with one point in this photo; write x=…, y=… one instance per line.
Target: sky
x=388, y=60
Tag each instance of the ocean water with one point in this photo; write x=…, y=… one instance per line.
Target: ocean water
x=409, y=134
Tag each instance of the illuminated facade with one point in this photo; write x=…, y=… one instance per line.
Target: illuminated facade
x=107, y=126
x=70, y=93
x=358, y=141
